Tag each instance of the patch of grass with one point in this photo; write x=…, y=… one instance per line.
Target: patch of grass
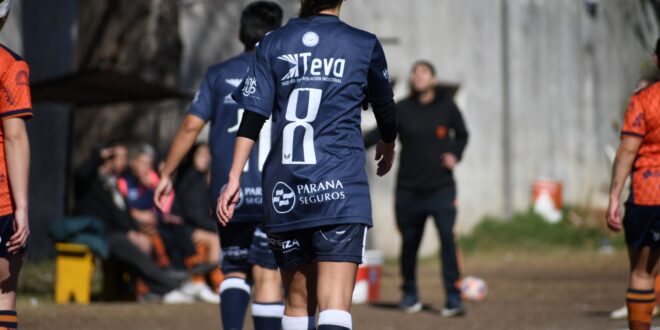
x=530, y=232
x=37, y=278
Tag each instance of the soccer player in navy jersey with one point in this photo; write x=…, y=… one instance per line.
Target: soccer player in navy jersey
x=313, y=76
x=246, y=258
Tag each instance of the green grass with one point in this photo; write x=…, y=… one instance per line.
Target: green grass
x=530, y=232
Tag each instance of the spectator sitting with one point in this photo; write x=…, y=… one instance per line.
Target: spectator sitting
x=171, y=239
x=103, y=201
x=193, y=204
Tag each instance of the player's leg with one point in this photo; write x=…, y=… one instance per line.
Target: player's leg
x=267, y=297
x=235, y=291
x=10, y=267
x=336, y=281
x=300, y=302
x=411, y=219
x=639, y=225
x=293, y=254
x=444, y=216
x=641, y=296
x=339, y=251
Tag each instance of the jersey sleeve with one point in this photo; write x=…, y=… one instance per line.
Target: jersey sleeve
x=202, y=104
x=15, y=100
x=257, y=90
x=379, y=90
x=633, y=123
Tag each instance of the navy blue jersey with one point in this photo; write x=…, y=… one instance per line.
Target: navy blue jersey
x=313, y=76
x=213, y=103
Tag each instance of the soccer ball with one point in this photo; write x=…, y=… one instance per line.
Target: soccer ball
x=473, y=288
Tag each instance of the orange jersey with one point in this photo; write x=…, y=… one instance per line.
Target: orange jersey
x=14, y=102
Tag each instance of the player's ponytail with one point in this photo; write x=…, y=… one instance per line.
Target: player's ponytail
x=657, y=48
x=309, y=8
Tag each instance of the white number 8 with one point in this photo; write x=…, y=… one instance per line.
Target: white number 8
x=309, y=154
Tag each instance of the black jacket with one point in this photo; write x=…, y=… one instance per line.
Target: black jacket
x=426, y=132
x=193, y=201
x=99, y=202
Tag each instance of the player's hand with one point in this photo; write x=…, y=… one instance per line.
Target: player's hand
x=614, y=215
x=227, y=201
x=21, y=232
x=163, y=191
x=449, y=160
x=385, y=155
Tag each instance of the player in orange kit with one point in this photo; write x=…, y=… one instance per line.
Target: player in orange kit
x=638, y=156
x=15, y=107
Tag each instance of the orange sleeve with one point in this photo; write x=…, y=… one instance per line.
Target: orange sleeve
x=15, y=100
x=633, y=123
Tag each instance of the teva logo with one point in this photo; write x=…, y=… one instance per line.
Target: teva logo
x=284, y=199
x=306, y=65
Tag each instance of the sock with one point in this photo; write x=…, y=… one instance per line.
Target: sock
x=334, y=319
x=267, y=316
x=298, y=323
x=235, y=297
x=8, y=320
x=640, y=308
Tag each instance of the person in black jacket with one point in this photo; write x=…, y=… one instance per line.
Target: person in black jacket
x=433, y=137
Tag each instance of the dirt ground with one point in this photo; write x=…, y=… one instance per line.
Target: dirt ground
x=555, y=291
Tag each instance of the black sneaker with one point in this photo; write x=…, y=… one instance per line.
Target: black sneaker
x=410, y=303
x=457, y=311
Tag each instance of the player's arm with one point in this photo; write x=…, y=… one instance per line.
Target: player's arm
x=17, y=151
x=379, y=93
x=183, y=141
x=386, y=119
x=632, y=135
x=248, y=134
x=623, y=163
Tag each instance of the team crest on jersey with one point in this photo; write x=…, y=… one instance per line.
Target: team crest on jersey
x=250, y=86
x=284, y=198
x=310, y=39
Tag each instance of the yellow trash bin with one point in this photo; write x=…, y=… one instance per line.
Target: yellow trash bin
x=74, y=267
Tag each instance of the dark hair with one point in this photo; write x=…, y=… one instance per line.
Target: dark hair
x=309, y=8
x=425, y=63
x=429, y=66
x=657, y=48
x=258, y=19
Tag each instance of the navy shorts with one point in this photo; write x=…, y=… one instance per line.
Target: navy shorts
x=242, y=247
x=642, y=226
x=260, y=252
x=6, y=232
x=336, y=243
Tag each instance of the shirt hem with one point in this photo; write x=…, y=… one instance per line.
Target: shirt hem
x=318, y=222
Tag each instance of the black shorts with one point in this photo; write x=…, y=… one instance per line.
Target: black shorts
x=337, y=243
x=642, y=226
x=6, y=232
x=242, y=247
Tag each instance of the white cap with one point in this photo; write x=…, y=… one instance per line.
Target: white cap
x=5, y=5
